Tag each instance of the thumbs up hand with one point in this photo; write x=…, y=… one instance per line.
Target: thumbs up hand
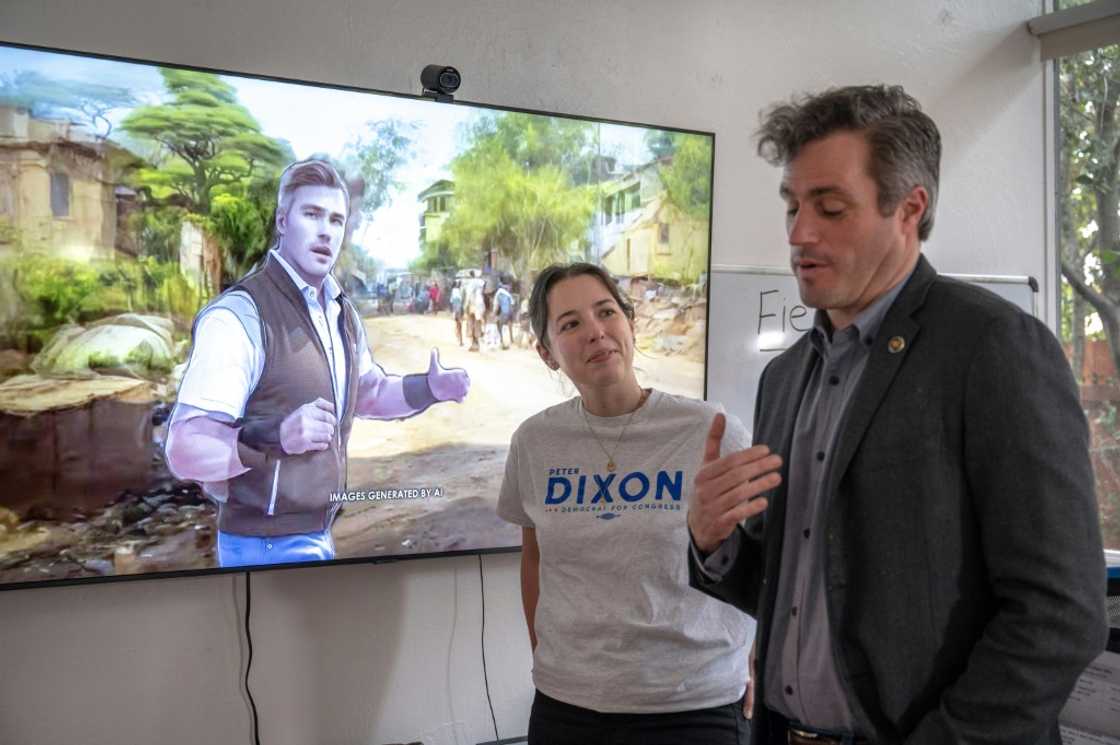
x=447, y=384
x=726, y=490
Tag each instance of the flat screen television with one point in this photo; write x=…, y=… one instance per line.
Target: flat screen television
x=133, y=194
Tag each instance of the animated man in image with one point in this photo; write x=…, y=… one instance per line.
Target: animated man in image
x=279, y=368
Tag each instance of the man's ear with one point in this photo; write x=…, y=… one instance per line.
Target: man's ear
x=281, y=221
x=913, y=207
x=545, y=355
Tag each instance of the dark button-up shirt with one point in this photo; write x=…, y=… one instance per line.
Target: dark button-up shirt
x=802, y=680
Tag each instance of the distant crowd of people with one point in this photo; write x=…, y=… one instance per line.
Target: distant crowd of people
x=487, y=304
x=489, y=310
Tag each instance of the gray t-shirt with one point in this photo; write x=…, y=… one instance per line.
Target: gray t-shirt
x=618, y=627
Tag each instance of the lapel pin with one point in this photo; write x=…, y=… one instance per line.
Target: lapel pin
x=896, y=344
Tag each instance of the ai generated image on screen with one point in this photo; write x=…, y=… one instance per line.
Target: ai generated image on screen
x=139, y=202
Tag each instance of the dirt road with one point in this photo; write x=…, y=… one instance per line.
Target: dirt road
x=459, y=449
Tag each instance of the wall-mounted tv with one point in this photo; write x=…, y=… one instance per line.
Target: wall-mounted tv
x=137, y=198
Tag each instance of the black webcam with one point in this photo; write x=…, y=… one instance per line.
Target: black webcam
x=439, y=82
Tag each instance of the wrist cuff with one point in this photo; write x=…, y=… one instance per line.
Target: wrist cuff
x=261, y=434
x=254, y=459
x=417, y=392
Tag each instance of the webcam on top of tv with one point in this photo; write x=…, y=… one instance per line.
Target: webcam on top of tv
x=439, y=82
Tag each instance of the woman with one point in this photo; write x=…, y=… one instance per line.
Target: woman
x=624, y=650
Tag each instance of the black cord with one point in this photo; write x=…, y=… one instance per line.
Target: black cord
x=249, y=664
x=485, y=677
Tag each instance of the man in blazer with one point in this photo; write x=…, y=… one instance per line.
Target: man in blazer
x=930, y=568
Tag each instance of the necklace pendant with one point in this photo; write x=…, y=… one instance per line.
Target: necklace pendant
x=610, y=465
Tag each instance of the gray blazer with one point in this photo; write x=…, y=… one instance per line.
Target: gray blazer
x=965, y=572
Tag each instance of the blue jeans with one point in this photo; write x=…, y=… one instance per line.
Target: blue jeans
x=236, y=550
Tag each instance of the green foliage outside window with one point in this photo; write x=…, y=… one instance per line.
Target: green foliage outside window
x=1089, y=252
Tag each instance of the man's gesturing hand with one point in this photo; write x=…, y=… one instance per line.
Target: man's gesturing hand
x=310, y=427
x=725, y=489
x=447, y=383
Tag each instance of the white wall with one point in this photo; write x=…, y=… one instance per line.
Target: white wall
x=376, y=654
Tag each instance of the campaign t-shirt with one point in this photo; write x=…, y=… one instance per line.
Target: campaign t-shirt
x=618, y=627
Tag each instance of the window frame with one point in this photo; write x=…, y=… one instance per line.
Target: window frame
x=1064, y=33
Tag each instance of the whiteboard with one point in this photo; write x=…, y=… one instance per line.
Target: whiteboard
x=755, y=312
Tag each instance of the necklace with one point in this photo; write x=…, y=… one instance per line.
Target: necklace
x=611, y=466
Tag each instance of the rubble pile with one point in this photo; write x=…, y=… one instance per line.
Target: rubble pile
x=87, y=491
x=671, y=323
x=158, y=530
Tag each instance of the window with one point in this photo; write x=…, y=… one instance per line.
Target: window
x=60, y=194
x=1088, y=236
x=633, y=198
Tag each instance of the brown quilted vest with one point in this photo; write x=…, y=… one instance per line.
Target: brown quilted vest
x=281, y=493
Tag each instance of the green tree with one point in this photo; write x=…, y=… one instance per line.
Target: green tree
x=437, y=255
x=687, y=177
x=158, y=231
x=660, y=142
x=533, y=142
x=377, y=156
x=56, y=288
x=685, y=170
x=529, y=210
x=212, y=143
x=1090, y=151
x=241, y=226
x=1089, y=235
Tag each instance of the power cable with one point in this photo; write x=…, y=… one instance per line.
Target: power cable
x=249, y=664
x=485, y=677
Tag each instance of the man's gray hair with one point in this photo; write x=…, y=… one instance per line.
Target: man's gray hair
x=905, y=143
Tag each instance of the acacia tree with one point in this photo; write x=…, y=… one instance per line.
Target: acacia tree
x=46, y=97
x=212, y=159
x=212, y=143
